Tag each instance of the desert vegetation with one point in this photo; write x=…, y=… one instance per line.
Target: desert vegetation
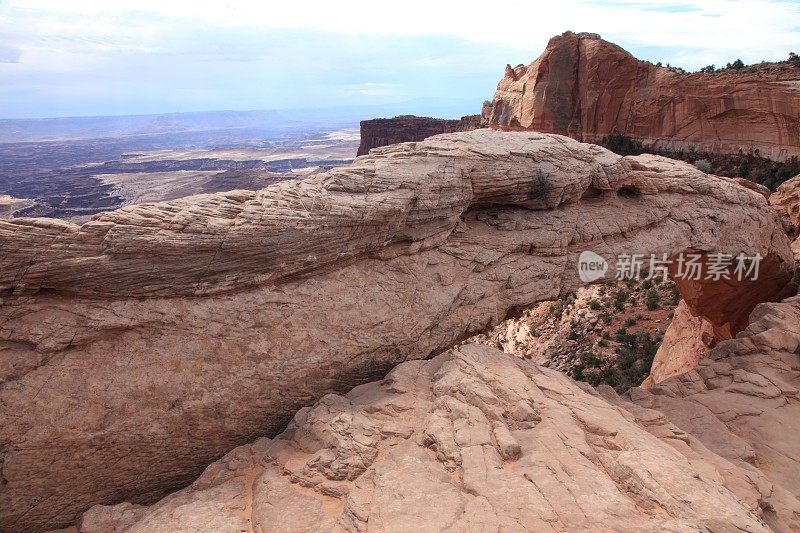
x=749, y=165
x=607, y=334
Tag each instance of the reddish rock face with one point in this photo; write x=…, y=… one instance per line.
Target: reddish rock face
x=407, y=128
x=588, y=88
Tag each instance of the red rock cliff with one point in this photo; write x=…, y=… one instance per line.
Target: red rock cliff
x=588, y=88
x=405, y=128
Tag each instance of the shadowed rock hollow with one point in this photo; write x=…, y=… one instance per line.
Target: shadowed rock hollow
x=140, y=347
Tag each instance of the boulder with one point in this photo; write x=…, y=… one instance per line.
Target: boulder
x=688, y=339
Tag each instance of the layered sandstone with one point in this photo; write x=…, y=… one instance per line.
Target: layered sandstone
x=786, y=202
x=741, y=403
x=472, y=440
x=379, y=132
x=588, y=88
x=143, y=345
x=688, y=339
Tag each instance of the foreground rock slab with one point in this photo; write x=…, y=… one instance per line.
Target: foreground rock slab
x=473, y=439
x=138, y=348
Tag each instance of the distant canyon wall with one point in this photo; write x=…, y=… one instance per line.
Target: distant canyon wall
x=588, y=88
x=408, y=128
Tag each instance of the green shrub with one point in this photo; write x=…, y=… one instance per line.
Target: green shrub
x=652, y=299
x=594, y=305
x=557, y=309
x=621, y=295
x=632, y=364
x=534, y=331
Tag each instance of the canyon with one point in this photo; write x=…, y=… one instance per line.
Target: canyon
x=588, y=88
x=73, y=179
x=143, y=345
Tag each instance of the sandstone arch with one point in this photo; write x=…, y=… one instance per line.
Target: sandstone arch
x=141, y=346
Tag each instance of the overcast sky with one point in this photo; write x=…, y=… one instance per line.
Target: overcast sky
x=100, y=57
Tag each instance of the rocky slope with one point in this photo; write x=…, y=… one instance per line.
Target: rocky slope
x=408, y=128
x=588, y=88
x=742, y=403
x=141, y=346
x=477, y=440
x=601, y=334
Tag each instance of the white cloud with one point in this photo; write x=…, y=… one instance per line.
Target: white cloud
x=724, y=25
x=57, y=50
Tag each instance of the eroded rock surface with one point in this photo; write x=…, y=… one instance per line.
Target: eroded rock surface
x=786, y=202
x=473, y=439
x=688, y=339
x=742, y=403
x=588, y=88
x=141, y=346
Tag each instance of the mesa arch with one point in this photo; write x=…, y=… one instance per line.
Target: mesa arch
x=141, y=346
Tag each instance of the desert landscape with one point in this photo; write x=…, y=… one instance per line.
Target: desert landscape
x=74, y=178
x=575, y=309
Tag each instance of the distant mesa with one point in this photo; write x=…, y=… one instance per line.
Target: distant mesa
x=588, y=89
x=409, y=128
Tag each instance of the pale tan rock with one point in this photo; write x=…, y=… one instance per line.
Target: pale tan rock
x=584, y=464
x=151, y=340
x=786, y=202
x=688, y=339
x=588, y=88
x=742, y=403
x=115, y=519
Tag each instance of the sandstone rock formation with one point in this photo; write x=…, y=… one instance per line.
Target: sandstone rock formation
x=688, y=339
x=408, y=128
x=143, y=345
x=742, y=403
x=786, y=202
x=588, y=88
x=476, y=440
